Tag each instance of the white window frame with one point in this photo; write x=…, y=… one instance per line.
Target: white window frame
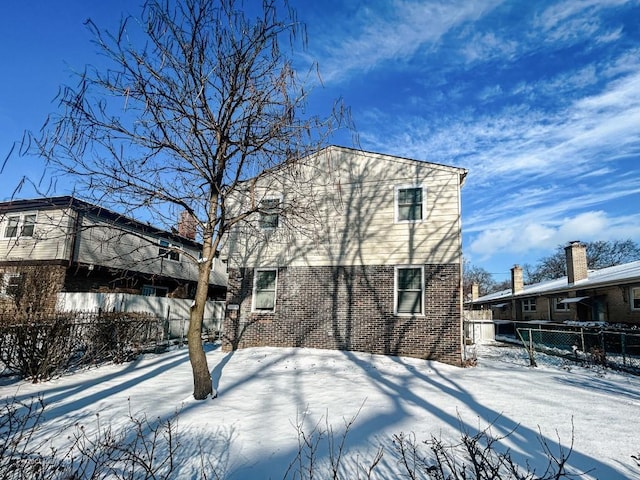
x=21, y=225
x=396, y=198
x=634, y=293
x=169, y=250
x=527, y=303
x=560, y=307
x=254, y=291
x=279, y=199
x=5, y=282
x=395, y=291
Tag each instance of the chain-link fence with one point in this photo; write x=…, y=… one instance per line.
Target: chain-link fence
x=613, y=348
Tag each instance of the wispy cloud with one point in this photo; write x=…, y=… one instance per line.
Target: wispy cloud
x=540, y=101
x=545, y=236
x=375, y=37
x=527, y=164
x=575, y=19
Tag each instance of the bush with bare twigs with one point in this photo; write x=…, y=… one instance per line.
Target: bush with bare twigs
x=40, y=347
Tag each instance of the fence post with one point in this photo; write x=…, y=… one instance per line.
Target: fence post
x=623, y=343
x=582, y=339
x=603, y=346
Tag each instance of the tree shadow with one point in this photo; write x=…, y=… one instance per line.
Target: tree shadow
x=336, y=255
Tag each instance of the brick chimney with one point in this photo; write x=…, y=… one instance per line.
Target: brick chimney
x=517, y=279
x=576, y=253
x=475, y=291
x=187, y=226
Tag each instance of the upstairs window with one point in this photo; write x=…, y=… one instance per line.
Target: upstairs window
x=168, y=250
x=409, y=290
x=269, y=218
x=529, y=305
x=410, y=203
x=20, y=226
x=264, y=290
x=28, y=225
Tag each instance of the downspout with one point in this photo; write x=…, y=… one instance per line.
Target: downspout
x=463, y=345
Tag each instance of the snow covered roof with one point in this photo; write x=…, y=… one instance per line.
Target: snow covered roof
x=616, y=275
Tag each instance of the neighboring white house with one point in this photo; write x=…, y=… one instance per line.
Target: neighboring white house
x=349, y=250
x=48, y=245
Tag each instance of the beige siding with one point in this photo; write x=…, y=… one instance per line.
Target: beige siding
x=340, y=210
x=101, y=243
x=50, y=240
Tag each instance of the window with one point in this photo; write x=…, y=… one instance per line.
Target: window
x=264, y=290
x=409, y=290
x=10, y=284
x=20, y=226
x=529, y=305
x=28, y=225
x=558, y=306
x=410, y=203
x=167, y=250
x=269, y=213
x=151, y=291
x=635, y=298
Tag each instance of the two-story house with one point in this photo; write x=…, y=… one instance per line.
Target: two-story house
x=49, y=245
x=349, y=250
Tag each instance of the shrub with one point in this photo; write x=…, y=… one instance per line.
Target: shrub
x=142, y=450
x=39, y=347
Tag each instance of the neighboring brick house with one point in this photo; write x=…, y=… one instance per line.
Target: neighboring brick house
x=49, y=245
x=350, y=250
x=609, y=295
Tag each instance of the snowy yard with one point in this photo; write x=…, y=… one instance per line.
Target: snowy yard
x=250, y=429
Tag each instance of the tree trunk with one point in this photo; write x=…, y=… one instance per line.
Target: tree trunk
x=202, y=386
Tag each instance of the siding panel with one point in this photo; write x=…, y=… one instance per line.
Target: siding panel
x=50, y=239
x=344, y=214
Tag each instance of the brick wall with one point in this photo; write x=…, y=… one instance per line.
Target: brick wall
x=37, y=289
x=348, y=308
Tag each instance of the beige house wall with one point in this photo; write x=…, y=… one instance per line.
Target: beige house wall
x=340, y=209
x=50, y=240
x=616, y=307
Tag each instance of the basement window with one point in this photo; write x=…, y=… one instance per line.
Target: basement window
x=152, y=291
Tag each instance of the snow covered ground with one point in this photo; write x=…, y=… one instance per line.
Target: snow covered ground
x=250, y=429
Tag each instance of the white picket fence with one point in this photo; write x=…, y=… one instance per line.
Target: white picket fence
x=174, y=311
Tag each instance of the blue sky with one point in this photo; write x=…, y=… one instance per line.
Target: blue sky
x=540, y=101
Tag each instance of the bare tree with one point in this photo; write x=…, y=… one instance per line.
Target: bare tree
x=473, y=274
x=600, y=254
x=199, y=97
